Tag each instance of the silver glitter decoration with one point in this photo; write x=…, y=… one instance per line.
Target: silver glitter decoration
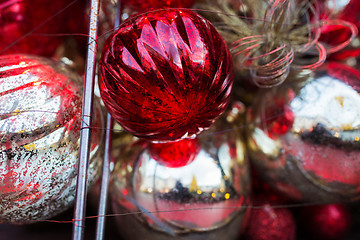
x=40, y=117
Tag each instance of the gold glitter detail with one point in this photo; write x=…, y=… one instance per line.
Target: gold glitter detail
x=22, y=131
x=347, y=127
x=193, y=185
x=16, y=112
x=340, y=100
x=30, y=146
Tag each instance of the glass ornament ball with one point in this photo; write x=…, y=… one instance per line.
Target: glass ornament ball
x=176, y=153
x=40, y=120
x=166, y=75
x=304, y=136
x=203, y=199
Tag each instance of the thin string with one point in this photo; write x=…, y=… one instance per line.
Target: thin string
x=261, y=206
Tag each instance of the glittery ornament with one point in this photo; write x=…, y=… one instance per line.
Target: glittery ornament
x=204, y=199
x=143, y=6
x=330, y=222
x=304, y=137
x=166, y=75
x=268, y=223
x=25, y=26
x=40, y=119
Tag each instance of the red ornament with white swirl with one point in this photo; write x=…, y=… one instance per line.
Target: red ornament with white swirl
x=166, y=75
x=40, y=119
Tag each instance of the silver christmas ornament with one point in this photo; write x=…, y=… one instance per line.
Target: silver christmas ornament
x=40, y=119
x=304, y=136
x=203, y=198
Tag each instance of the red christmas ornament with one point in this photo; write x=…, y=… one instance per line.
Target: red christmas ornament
x=330, y=222
x=27, y=25
x=175, y=154
x=166, y=75
x=142, y=6
x=268, y=223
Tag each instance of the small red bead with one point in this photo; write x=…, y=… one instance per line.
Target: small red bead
x=175, y=154
x=279, y=118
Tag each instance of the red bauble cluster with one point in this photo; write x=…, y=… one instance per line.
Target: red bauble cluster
x=166, y=75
